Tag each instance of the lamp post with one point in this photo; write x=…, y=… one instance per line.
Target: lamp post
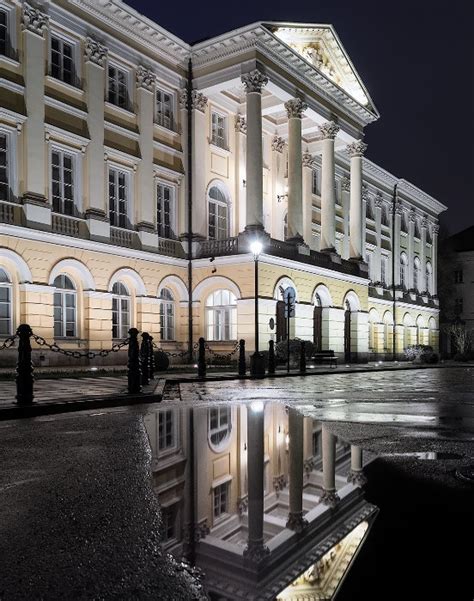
x=257, y=364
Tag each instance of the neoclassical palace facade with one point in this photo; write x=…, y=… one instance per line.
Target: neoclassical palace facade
x=135, y=171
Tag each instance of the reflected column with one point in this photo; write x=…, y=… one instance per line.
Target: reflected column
x=329, y=496
x=356, y=475
x=295, y=516
x=256, y=550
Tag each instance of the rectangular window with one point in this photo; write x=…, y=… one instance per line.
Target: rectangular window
x=222, y=323
x=64, y=314
x=220, y=499
x=166, y=430
x=164, y=109
x=4, y=36
x=169, y=517
x=316, y=182
x=5, y=309
x=218, y=130
x=4, y=167
x=118, y=87
x=62, y=60
x=316, y=443
x=62, y=182
x=458, y=276
x=165, y=211
x=118, y=198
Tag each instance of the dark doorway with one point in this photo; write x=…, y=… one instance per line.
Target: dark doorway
x=347, y=335
x=317, y=328
x=281, y=321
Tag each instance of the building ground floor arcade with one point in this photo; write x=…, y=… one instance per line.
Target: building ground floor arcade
x=85, y=295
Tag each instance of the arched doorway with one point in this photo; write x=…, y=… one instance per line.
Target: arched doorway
x=281, y=319
x=318, y=324
x=347, y=332
x=281, y=322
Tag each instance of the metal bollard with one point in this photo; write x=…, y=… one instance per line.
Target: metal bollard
x=202, y=358
x=144, y=359
x=303, y=357
x=242, y=365
x=134, y=372
x=24, y=368
x=271, y=357
x=151, y=357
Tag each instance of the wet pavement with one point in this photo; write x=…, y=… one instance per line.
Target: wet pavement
x=79, y=518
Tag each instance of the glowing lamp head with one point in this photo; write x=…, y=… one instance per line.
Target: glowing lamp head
x=256, y=247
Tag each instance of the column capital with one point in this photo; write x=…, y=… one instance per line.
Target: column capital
x=254, y=81
x=296, y=522
x=412, y=216
x=398, y=208
x=357, y=478
x=424, y=223
x=198, y=100
x=256, y=552
x=329, y=130
x=295, y=108
x=33, y=19
x=378, y=200
x=435, y=228
x=278, y=144
x=145, y=78
x=356, y=149
x=308, y=160
x=330, y=498
x=240, y=124
x=95, y=52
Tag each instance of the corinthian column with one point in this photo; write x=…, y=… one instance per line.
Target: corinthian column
x=329, y=496
x=254, y=82
x=356, y=475
x=434, y=258
x=356, y=151
x=294, y=110
x=328, y=191
x=295, y=426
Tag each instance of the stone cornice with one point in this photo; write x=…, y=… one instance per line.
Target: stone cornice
x=258, y=37
x=139, y=29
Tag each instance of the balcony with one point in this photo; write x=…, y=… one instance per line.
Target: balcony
x=7, y=212
x=67, y=225
x=170, y=248
x=123, y=237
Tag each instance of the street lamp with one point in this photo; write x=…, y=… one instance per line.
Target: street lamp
x=257, y=362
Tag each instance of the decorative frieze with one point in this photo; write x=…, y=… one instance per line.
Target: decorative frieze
x=295, y=108
x=328, y=130
x=33, y=19
x=240, y=124
x=308, y=160
x=145, y=78
x=95, y=52
x=278, y=144
x=356, y=149
x=254, y=81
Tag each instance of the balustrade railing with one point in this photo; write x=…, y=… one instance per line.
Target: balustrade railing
x=64, y=224
x=171, y=248
x=7, y=212
x=227, y=246
x=121, y=237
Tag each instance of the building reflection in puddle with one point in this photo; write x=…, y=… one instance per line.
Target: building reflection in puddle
x=266, y=501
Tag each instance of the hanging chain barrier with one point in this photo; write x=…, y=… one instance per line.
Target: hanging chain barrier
x=222, y=356
x=55, y=348
x=179, y=354
x=8, y=342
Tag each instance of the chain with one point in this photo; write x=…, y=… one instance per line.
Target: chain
x=8, y=342
x=78, y=354
x=222, y=356
x=170, y=354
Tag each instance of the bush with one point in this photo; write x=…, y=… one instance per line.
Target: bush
x=281, y=350
x=162, y=361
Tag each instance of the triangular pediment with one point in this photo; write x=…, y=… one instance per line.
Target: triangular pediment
x=320, y=46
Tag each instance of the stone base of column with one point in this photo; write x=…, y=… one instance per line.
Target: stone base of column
x=256, y=227
x=329, y=498
x=357, y=478
x=296, y=522
x=256, y=552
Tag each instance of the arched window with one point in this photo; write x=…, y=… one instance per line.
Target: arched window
x=429, y=278
x=403, y=270
x=120, y=310
x=5, y=304
x=218, y=214
x=416, y=273
x=219, y=426
x=221, y=315
x=167, y=315
x=64, y=307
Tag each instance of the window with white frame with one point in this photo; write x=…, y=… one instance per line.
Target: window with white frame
x=218, y=214
x=120, y=310
x=5, y=304
x=62, y=60
x=5, y=190
x=5, y=37
x=403, y=270
x=64, y=307
x=221, y=499
x=117, y=86
x=164, y=109
x=63, y=182
x=220, y=426
x=221, y=315
x=167, y=315
x=316, y=182
x=165, y=211
x=118, y=197
x=218, y=129
x=167, y=430
x=383, y=270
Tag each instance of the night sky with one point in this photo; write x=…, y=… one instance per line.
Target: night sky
x=416, y=60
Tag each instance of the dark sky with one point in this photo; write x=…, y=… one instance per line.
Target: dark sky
x=417, y=61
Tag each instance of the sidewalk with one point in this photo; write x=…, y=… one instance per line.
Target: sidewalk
x=83, y=391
